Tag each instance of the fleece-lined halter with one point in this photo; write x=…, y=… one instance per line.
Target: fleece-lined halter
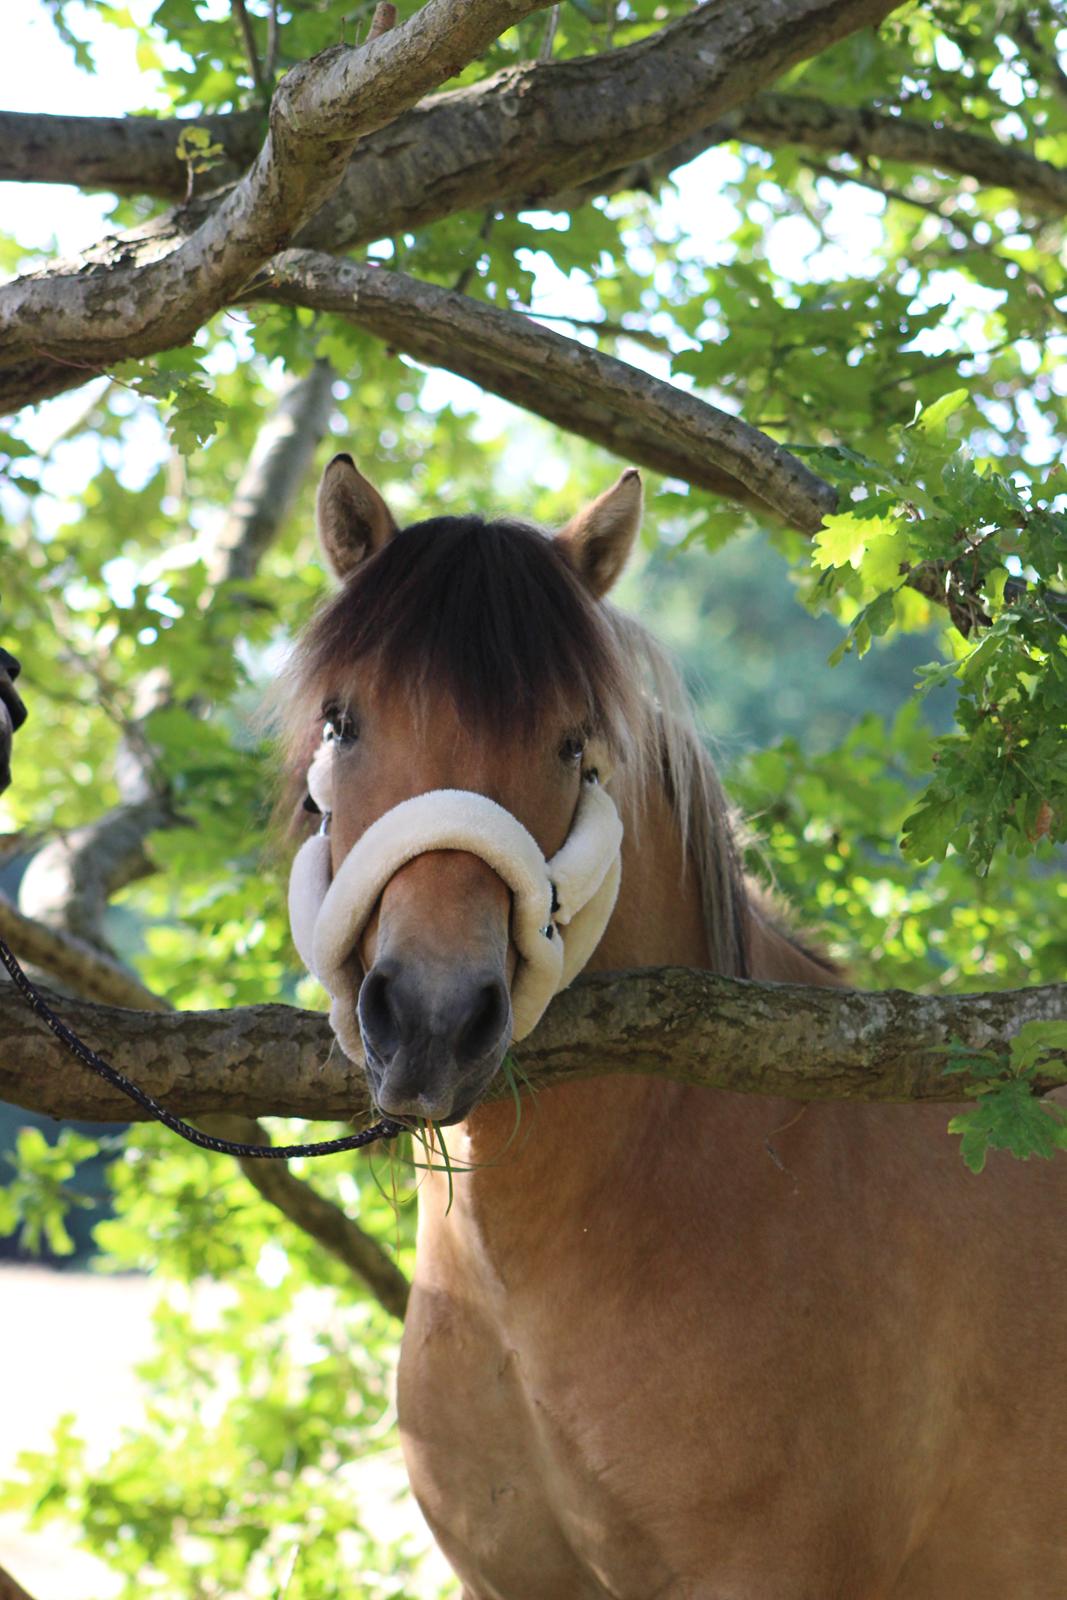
x=560, y=907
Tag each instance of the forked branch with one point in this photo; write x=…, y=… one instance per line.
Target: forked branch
x=524, y=134
x=113, y=308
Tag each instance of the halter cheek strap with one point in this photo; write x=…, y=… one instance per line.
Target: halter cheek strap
x=560, y=907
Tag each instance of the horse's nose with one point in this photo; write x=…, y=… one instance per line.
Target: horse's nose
x=432, y=1039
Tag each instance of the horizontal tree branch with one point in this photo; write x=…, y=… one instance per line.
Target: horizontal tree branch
x=111, y=307
x=771, y=120
x=616, y=405
x=783, y=1040
x=124, y=155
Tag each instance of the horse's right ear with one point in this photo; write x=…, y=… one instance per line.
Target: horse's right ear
x=354, y=521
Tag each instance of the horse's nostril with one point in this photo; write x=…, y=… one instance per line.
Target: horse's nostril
x=485, y=1024
x=377, y=1017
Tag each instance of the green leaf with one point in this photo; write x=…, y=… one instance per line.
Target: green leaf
x=933, y=417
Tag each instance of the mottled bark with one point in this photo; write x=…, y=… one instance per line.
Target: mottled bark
x=722, y=1033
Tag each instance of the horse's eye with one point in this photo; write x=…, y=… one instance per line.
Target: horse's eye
x=572, y=750
x=339, y=727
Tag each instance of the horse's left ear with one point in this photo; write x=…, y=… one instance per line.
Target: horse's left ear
x=354, y=521
x=599, y=539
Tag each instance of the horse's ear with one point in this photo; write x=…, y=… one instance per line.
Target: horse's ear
x=354, y=521
x=599, y=539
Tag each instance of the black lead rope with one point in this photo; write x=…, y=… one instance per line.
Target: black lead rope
x=385, y=1129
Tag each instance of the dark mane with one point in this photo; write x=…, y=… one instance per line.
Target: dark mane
x=491, y=613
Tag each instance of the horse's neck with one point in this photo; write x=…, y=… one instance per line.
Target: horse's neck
x=571, y=1137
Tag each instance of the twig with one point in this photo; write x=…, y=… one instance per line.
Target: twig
x=463, y=281
x=545, y=52
x=272, y=44
x=248, y=40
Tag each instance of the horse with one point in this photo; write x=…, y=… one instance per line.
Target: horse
x=669, y=1343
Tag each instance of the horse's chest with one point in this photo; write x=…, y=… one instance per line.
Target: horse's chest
x=506, y=1472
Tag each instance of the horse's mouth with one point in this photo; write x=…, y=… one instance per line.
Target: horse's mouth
x=402, y=1096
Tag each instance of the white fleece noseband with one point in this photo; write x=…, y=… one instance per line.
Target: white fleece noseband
x=560, y=907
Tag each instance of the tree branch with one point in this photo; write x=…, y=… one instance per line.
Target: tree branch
x=76, y=964
x=526, y=132
x=694, y=1027
x=112, y=308
x=517, y=138
x=125, y=155
x=69, y=882
x=595, y=395
x=244, y=28
x=771, y=120
x=10, y=1590
x=316, y=1216
x=278, y=465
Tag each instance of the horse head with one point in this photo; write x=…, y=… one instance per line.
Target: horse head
x=471, y=663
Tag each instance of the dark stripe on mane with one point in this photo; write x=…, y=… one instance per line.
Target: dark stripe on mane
x=491, y=613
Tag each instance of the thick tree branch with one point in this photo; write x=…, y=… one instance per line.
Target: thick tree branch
x=121, y=308
x=521, y=136
x=526, y=133
x=722, y=1033
x=125, y=155
x=595, y=395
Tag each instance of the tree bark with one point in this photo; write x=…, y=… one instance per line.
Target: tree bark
x=695, y=1027
x=526, y=132
x=121, y=307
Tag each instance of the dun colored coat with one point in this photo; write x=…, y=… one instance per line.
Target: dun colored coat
x=669, y=1344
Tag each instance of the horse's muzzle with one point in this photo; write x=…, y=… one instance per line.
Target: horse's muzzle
x=432, y=1040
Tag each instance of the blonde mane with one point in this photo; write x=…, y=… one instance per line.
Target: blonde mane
x=665, y=747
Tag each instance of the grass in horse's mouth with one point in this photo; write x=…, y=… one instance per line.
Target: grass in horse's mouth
x=431, y=1135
